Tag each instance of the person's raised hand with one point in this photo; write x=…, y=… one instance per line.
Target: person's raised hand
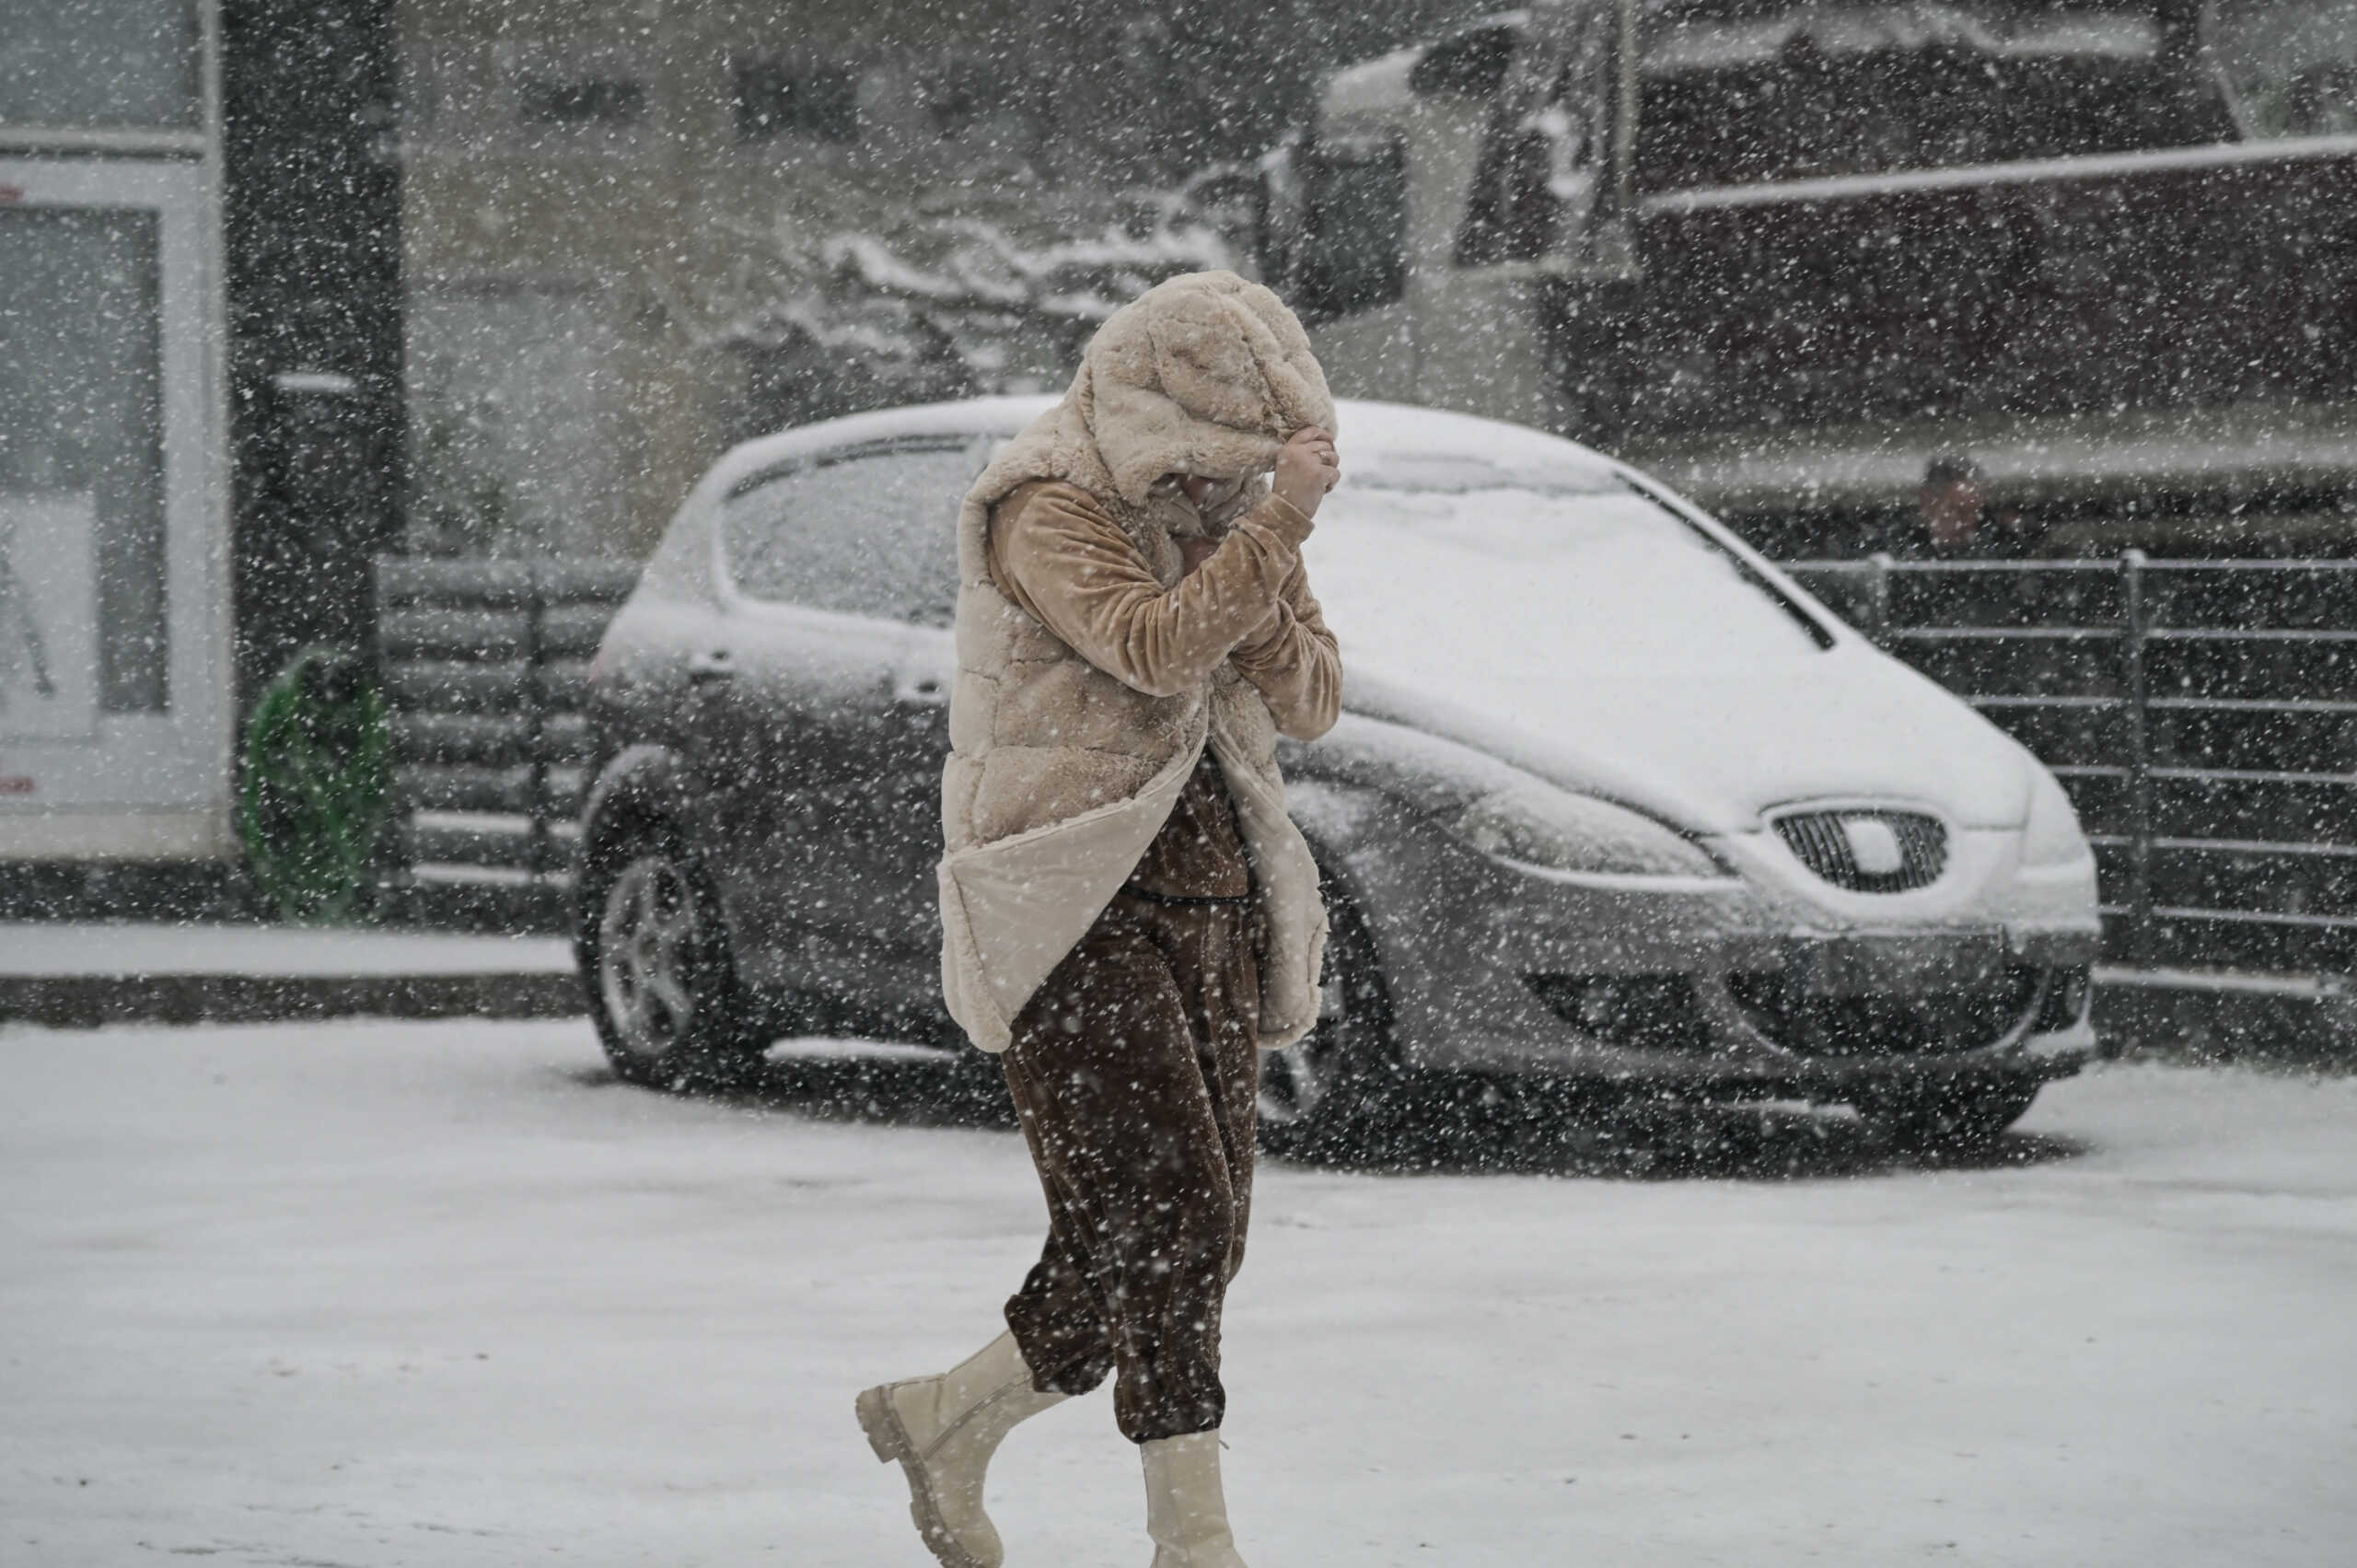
x=1307, y=468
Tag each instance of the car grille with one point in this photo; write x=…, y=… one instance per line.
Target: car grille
x=1822, y=841
x=1929, y=1023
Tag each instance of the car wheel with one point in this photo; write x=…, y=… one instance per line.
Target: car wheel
x=1960, y=1112
x=1339, y=1087
x=663, y=989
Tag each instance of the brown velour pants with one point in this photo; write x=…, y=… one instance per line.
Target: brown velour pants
x=1133, y=1072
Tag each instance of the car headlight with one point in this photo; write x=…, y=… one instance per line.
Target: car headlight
x=2051, y=836
x=1555, y=830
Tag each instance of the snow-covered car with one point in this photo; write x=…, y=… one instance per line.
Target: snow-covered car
x=1611, y=798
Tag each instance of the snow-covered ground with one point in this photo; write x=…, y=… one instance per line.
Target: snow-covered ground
x=444, y=1294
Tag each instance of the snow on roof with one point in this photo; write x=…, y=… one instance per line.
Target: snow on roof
x=1677, y=44
x=1681, y=38
x=1371, y=84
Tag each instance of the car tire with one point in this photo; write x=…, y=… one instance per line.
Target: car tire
x=1957, y=1113
x=1340, y=1088
x=653, y=954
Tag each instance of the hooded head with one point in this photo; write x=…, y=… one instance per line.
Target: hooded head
x=1204, y=374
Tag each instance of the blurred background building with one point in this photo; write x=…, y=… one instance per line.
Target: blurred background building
x=635, y=234
x=286, y=284
x=201, y=419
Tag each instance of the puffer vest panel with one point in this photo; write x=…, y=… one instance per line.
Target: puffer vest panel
x=1039, y=734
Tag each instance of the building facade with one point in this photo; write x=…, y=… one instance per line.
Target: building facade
x=613, y=219
x=637, y=231
x=200, y=393
x=288, y=284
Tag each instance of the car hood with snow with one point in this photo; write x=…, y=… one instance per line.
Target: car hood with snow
x=1517, y=595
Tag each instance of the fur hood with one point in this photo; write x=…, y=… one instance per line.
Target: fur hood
x=1202, y=374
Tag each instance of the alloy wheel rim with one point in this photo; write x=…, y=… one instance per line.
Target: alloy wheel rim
x=646, y=940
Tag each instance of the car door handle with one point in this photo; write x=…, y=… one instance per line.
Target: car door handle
x=706, y=668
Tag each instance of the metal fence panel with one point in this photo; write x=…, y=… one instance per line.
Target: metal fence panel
x=485, y=665
x=2202, y=713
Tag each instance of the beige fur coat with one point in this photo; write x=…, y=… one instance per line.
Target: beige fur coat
x=1062, y=769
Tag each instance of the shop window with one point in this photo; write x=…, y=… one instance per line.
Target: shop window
x=1832, y=97
x=537, y=98
x=99, y=62
x=83, y=611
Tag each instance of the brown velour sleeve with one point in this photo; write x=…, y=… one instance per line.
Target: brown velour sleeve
x=1065, y=560
x=1295, y=663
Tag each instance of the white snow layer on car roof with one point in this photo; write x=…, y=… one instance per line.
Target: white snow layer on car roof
x=1376, y=427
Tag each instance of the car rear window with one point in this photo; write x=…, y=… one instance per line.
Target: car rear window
x=871, y=532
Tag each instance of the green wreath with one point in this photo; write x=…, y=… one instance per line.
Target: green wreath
x=317, y=786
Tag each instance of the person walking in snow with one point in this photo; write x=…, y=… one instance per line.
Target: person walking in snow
x=1129, y=917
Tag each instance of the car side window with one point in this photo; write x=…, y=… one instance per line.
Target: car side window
x=870, y=532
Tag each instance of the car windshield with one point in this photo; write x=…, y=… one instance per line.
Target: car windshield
x=1535, y=573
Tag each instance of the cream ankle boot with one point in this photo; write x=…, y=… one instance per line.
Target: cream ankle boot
x=1186, y=1514
x=944, y=1430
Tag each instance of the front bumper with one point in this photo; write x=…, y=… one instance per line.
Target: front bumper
x=1709, y=988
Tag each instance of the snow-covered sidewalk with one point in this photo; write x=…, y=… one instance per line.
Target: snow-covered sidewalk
x=86, y=974
x=57, y=947
x=442, y=1294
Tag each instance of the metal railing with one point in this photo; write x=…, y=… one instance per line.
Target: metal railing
x=2202, y=713
x=485, y=664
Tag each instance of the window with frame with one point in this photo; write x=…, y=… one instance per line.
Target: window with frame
x=871, y=532
x=1355, y=253
x=544, y=96
x=101, y=62
x=775, y=97
x=580, y=100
